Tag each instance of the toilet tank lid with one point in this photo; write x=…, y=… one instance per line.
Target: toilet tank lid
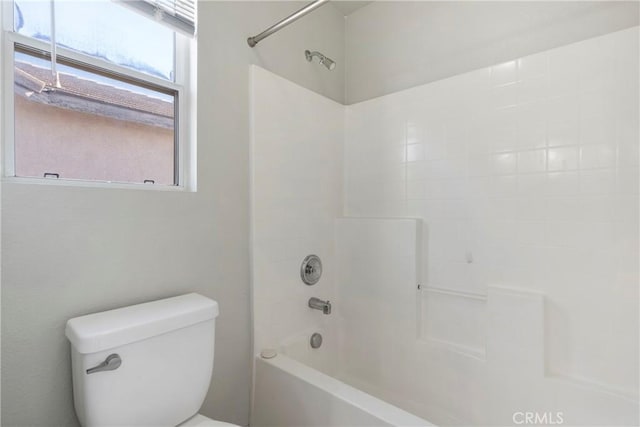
x=113, y=328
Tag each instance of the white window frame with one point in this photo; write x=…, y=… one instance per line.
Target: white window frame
x=184, y=87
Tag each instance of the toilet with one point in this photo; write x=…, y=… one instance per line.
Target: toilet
x=144, y=365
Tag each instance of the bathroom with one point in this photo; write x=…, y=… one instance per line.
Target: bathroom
x=467, y=173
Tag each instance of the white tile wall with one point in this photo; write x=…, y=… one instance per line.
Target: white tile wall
x=377, y=276
x=525, y=177
x=297, y=139
x=530, y=168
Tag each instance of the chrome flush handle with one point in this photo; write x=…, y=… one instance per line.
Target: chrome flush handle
x=111, y=363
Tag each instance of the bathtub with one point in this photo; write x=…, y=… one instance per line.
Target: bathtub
x=289, y=393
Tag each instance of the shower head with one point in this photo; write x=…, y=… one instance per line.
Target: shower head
x=327, y=62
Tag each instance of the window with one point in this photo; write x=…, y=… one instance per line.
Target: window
x=98, y=91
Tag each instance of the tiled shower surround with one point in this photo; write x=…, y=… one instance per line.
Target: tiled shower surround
x=524, y=177
x=296, y=195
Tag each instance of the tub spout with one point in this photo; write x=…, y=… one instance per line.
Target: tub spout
x=318, y=304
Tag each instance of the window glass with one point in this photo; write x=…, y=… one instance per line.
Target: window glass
x=90, y=127
x=32, y=18
x=103, y=29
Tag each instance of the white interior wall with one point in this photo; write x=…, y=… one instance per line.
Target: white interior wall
x=68, y=251
x=395, y=45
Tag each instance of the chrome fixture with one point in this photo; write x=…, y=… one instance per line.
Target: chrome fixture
x=111, y=363
x=318, y=304
x=252, y=41
x=327, y=62
x=311, y=269
x=316, y=340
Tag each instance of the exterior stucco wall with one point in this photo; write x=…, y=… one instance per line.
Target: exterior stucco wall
x=77, y=145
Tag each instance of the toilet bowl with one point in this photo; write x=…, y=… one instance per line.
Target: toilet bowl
x=144, y=365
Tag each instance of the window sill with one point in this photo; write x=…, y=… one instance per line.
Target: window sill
x=94, y=184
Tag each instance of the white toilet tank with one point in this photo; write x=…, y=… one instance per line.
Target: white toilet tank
x=160, y=359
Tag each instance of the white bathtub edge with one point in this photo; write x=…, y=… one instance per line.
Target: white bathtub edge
x=372, y=405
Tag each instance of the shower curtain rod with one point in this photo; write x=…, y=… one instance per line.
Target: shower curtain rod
x=252, y=41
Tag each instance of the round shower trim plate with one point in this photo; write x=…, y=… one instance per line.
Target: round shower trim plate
x=311, y=270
